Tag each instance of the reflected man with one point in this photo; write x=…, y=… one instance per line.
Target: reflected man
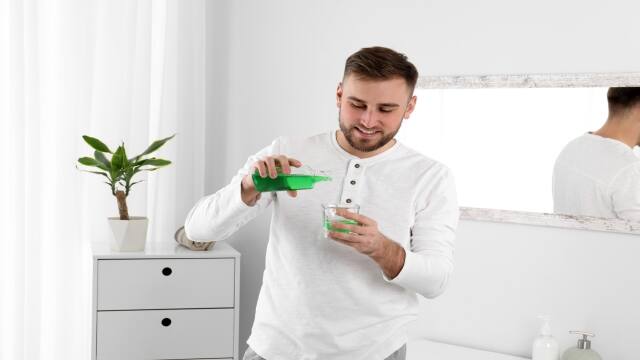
x=598, y=174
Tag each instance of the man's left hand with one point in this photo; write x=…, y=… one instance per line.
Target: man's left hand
x=367, y=239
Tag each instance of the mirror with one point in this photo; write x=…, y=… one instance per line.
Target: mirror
x=501, y=135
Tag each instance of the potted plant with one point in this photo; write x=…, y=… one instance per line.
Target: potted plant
x=129, y=232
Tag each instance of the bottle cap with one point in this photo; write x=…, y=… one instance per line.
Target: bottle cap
x=583, y=343
x=545, y=329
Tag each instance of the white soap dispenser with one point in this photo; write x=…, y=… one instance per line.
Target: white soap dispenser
x=545, y=346
x=583, y=351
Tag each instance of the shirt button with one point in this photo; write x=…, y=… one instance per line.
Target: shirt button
x=348, y=201
x=353, y=182
x=357, y=166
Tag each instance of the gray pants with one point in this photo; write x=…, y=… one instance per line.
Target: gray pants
x=400, y=354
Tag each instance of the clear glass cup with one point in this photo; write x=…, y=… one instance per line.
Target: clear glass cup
x=329, y=216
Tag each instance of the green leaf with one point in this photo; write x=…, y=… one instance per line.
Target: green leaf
x=155, y=146
x=140, y=163
x=115, y=174
x=125, y=161
x=118, y=159
x=101, y=158
x=97, y=172
x=96, y=144
x=156, y=162
x=89, y=161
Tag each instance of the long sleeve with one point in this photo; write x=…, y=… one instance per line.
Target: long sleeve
x=429, y=262
x=219, y=215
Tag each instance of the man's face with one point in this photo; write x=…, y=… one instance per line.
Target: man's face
x=371, y=111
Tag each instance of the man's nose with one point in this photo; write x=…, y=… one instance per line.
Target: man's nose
x=367, y=118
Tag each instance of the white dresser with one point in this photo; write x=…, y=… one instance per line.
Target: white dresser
x=167, y=302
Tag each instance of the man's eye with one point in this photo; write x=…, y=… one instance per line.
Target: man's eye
x=384, y=110
x=358, y=106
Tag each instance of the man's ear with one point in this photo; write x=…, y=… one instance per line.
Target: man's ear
x=339, y=95
x=410, y=106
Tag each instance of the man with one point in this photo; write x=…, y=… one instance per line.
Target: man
x=598, y=174
x=350, y=296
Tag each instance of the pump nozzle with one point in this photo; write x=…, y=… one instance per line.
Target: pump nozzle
x=583, y=343
x=545, y=329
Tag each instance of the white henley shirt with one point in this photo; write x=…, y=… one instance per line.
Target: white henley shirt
x=597, y=176
x=321, y=299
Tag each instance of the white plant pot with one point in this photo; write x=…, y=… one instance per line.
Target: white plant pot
x=128, y=235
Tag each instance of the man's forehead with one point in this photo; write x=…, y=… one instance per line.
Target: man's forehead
x=357, y=78
x=392, y=90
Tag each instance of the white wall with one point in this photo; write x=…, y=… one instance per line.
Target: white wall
x=275, y=66
x=584, y=280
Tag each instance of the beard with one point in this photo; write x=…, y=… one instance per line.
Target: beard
x=365, y=145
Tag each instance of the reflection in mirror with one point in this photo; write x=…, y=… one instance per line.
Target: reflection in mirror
x=502, y=143
x=598, y=173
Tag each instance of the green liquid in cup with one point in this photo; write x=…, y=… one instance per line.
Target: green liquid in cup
x=286, y=182
x=327, y=225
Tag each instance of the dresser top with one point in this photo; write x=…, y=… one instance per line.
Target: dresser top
x=220, y=249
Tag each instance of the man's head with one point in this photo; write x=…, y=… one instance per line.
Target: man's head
x=375, y=95
x=380, y=63
x=623, y=100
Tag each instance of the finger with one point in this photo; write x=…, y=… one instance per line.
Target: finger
x=292, y=193
x=259, y=165
x=354, y=216
x=349, y=239
x=352, y=228
x=271, y=167
x=284, y=164
x=295, y=163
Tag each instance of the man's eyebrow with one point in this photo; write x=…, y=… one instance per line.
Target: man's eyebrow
x=364, y=102
x=355, y=99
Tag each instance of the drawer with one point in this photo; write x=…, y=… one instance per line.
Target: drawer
x=136, y=284
x=195, y=333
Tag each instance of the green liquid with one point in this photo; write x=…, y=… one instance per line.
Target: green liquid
x=327, y=225
x=286, y=182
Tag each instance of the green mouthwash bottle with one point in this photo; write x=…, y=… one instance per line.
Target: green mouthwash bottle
x=288, y=181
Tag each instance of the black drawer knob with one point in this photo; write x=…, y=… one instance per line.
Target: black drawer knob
x=166, y=322
x=166, y=271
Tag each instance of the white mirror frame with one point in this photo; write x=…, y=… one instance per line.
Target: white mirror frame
x=541, y=81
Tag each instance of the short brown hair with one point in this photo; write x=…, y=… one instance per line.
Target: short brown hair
x=380, y=63
x=622, y=98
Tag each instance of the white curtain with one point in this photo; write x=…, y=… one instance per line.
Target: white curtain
x=123, y=71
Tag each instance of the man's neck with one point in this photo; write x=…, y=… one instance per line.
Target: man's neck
x=623, y=130
x=344, y=144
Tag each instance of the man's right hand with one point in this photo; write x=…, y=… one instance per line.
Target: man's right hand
x=266, y=167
